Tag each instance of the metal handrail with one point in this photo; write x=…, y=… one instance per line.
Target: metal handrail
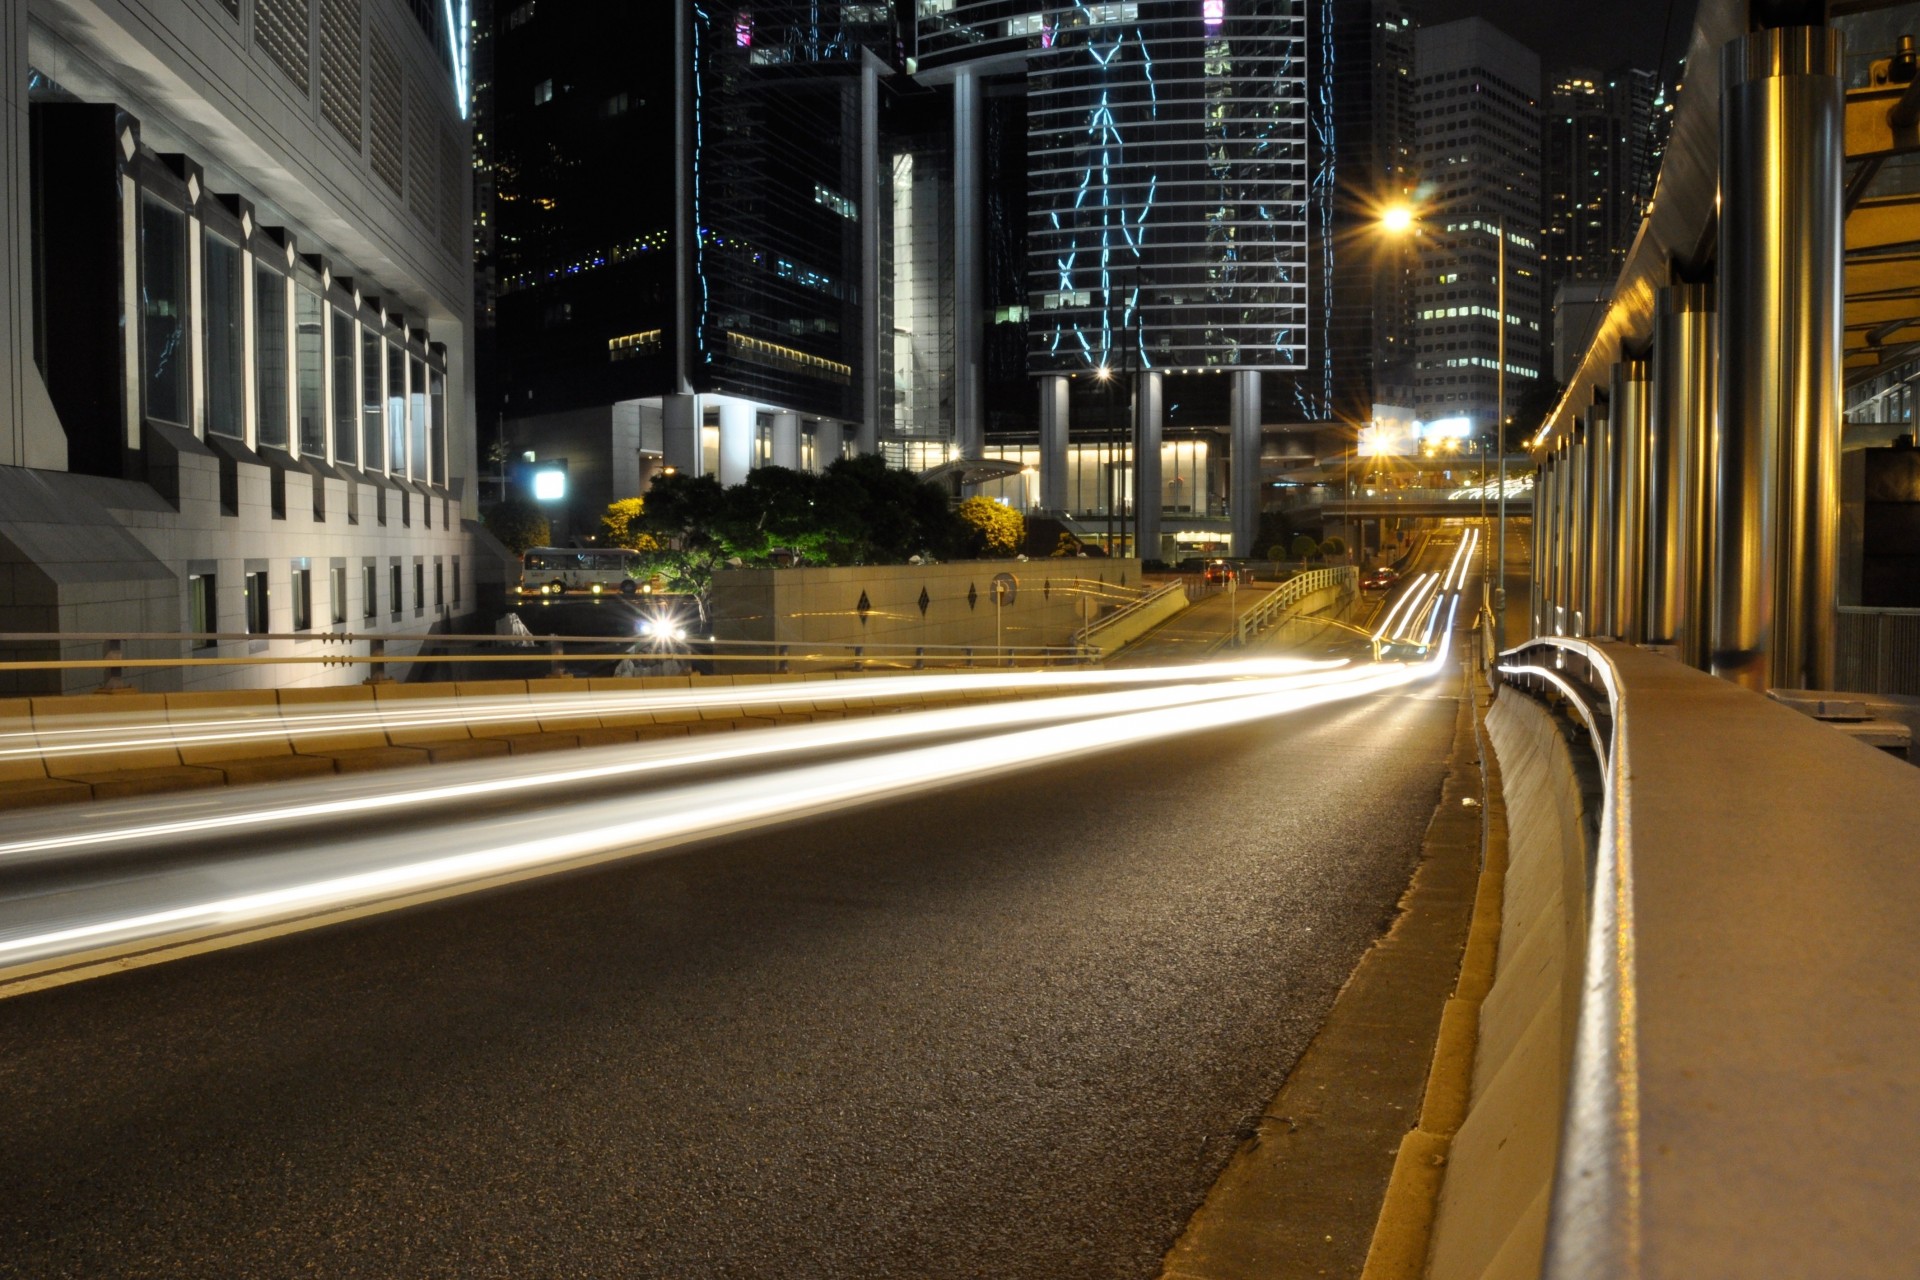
x=1290, y=593
x=1084, y=635
x=1596, y=1188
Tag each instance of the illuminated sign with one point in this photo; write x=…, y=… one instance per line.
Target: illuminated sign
x=1213, y=13
x=549, y=486
x=1447, y=429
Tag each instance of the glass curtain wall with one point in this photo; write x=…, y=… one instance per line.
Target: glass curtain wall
x=396, y=411
x=420, y=464
x=373, y=380
x=346, y=437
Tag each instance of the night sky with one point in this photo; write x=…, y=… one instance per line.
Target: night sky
x=1591, y=33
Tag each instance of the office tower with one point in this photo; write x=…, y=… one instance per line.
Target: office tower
x=690, y=212
x=1478, y=94
x=234, y=362
x=1170, y=191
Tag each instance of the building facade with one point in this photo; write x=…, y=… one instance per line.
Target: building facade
x=1478, y=94
x=690, y=213
x=235, y=384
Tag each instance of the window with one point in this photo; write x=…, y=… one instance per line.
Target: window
x=396, y=411
x=543, y=93
x=346, y=438
x=456, y=582
x=521, y=16
x=372, y=379
x=308, y=356
x=439, y=584
x=270, y=355
x=617, y=105
x=419, y=585
x=339, y=586
x=421, y=466
x=225, y=352
x=163, y=310
x=202, y=607
x=302, y=596
x=370, y=584
x=393, y=583
x=256, y=593
x=437, y=446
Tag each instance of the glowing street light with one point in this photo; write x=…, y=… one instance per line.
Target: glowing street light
x=1396, y=219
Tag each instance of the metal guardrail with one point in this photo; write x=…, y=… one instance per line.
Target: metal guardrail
x=782, y=656
x=1288, y=594
x=1083, y=637
x=1596, y=1193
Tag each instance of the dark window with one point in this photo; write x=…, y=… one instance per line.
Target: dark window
x=203, y=614
x=225, y=352
x=456, y=581
x=163, y=310
x=437, y=448
x=339, y=584
x=419, y=586
x=439, y=583
x=346, y=440
x=256, y=592
x=394, y=585
x=421, y=468
x=370, y=583
x=302, y=597
x=270, y=355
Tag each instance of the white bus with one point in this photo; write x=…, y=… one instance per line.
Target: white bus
x=554, y=571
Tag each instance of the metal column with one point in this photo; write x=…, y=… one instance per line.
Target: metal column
x=1596, y=531
x=1243, y=416
x=1780, y=259
x=1542, y=558
x=876, y=186
x=1053, y=443
x=1149, y=418
x=1627, y=432
x=1682, y=409
x=1566, y=471
x=969, y=271
x=1579, y=544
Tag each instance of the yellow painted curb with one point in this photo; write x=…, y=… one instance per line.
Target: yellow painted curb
x=1399, y=1248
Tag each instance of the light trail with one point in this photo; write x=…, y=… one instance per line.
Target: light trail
x=304, y=885
x=1419, y=587
x=175, y=729
x=363, y=797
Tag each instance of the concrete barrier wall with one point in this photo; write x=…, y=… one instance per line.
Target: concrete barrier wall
x=1492, y=1216
x=936, y=604
x=1109, y=640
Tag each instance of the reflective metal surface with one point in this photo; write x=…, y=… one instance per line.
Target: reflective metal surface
x=1683, y=409
x=1579, y=546
x=1244, y=415
x=1780, y=330
x=1629, y=483
x=1600, y=516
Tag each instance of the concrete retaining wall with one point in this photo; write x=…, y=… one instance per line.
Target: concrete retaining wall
x=1492, y=1215
x=936, y=604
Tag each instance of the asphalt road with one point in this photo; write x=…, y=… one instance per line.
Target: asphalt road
x=1012, y=1030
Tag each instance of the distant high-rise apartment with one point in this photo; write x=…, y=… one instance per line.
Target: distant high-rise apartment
x=1478, y=100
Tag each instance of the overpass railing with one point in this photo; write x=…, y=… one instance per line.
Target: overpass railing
x=1738, y=1095
x=1286, y=597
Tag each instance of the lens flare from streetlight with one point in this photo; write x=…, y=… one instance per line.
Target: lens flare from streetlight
x=1396, y=219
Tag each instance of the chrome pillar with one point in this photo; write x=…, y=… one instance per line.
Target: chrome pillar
x=1681, y=413
x=1053, y=442
x=786, y=440
x=876, y=198
x=1597, y=523
x=1149, y=420
x=1579, y=544
x=1563, y=478
x=1780, y=259
x=1541, y=560
x=1243, y=416
x=1628, y=434
x=969, y=270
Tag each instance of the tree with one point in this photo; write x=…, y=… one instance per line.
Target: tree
x=518, y=524
x=1068, y=545
x=1334, y=546
x=1277, y=552
x=620, y=523
x=992, y=528
x=1305, y=547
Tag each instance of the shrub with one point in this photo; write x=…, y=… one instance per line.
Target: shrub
x=1305, y=547
x=1334, y=546
x=993, y=529
x=517, y=524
